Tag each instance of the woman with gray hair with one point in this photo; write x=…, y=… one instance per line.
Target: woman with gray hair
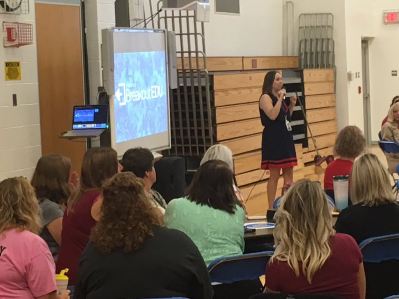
x=223, y=153
x=219, y=152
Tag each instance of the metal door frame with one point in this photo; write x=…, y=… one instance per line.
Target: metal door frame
x=366, y=90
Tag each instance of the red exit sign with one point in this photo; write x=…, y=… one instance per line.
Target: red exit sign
x=391, y=17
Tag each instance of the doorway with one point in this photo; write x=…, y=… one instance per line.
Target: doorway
x=366, y=90
x=60, y=72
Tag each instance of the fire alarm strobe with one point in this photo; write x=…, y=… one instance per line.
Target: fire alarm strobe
x=11, y=5
x=391, y=17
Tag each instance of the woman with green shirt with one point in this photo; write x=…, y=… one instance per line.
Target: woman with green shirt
x=211, y=215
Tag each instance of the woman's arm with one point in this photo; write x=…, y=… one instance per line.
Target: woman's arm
x=96, y=208
x=361, y=281
x=390, y=133
x=55, y=229
x=266, y=105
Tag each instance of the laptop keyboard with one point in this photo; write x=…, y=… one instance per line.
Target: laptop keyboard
x=83, y=133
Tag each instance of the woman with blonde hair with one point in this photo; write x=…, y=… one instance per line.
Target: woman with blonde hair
x=375, y=212
x=131, y=255
x=310, y=257
x=395, y=100
x=390, y=132
x=27, y=267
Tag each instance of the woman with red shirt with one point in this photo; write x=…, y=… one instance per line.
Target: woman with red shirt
x=349, y=144
x=98, y=165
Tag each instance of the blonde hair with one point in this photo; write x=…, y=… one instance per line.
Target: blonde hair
x=390, y=118
x=303, y=229
x=19, y=207
x=219, y=152
x=370, y=182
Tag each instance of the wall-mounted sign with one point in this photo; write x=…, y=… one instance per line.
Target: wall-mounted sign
x=12, y=70
x=391, y=17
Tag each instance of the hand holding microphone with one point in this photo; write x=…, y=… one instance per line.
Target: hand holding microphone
x=281, y=94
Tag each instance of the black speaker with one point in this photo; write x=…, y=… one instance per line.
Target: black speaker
x=171, y=182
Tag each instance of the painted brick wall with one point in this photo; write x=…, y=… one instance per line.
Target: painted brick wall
x=20, y=143
x=100, y=14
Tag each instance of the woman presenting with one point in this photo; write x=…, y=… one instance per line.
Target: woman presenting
x=278, y=150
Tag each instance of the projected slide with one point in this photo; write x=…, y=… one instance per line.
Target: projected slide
x=140, y=94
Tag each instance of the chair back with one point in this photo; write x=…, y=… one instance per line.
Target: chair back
x=239, y=267
x=381, y=248
x=286, y=296
x=389, y=147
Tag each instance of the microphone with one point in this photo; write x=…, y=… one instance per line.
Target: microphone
x=285, y=92
x=285, y=99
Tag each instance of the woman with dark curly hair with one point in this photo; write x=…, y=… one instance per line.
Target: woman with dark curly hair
x=132, y=256
x=51, y=183
x=349, y=144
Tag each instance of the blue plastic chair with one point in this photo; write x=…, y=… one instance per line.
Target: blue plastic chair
x=239, y=267
x=378, y=254
x=380, y=249
x=289, y=296
x=389, y=147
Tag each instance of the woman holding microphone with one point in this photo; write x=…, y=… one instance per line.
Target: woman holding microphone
x=278, y=150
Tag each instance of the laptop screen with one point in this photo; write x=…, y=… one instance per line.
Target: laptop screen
x=90, y=117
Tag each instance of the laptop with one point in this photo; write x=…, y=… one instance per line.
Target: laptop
x=88, y=121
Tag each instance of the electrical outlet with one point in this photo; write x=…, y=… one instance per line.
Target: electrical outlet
x=14, y=99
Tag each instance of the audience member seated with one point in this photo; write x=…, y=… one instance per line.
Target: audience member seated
x=140, y=161
x=98, y=165
x=349, y=144
x=375, y=212
x=310, y=258
x=51, y=183
x=390, y=132
x=210, y=214
x=213, y=217
x=394, y=100
x=223, y=153
x=26, y=266
x=131, y=255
